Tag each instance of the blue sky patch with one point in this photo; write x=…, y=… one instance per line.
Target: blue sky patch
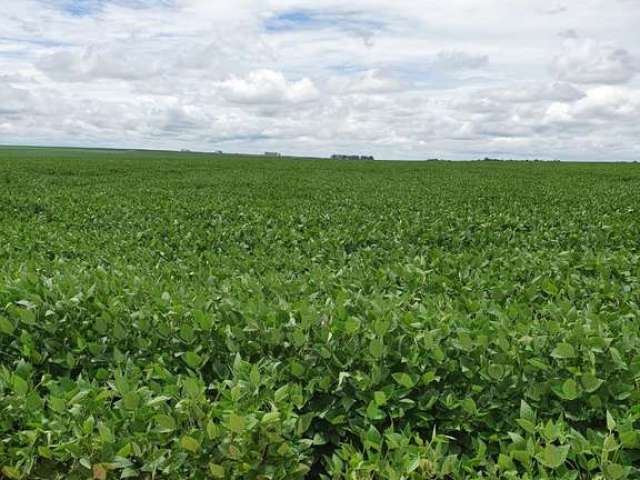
x=26, y=43
x=316, y=19
x=83, y=8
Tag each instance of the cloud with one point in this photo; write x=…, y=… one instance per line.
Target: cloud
x=536, y=92
x=13, y=100
x=310, y=19
x=395, y=79
x=99, y=62
x=587, y=61
x=569, y=33
x=371, y=81
x=606, y=103
x=458, y=60
x=267, y=87
x=555, y=9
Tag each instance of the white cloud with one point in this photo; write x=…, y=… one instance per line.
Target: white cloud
x=607, y=103
x=99, y=62
x=588, y=61
x=458, y=60
x=267, y=87
x=555, y=9
x=13, y=100
x=530, y=92
x=371, y=81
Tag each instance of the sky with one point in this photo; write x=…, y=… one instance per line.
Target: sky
x=397, y=79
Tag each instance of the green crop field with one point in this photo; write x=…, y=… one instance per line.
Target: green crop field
x=177, y=315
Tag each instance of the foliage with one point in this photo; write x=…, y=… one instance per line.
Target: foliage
x=185, y=316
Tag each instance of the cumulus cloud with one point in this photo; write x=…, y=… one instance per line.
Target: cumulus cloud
x=371, y=81
x=267, y=87
x=588, y=61
x=610, y=102
x=535, y=92
x=603, y=107
x=458, y=60
x=13, y=100
x=99, y=62
x=555, y=9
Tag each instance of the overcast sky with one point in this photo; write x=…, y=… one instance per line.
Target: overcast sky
x=391, y=78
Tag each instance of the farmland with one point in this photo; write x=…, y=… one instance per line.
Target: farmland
x=168, y=315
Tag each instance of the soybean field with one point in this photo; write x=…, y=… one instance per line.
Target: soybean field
x=188, y=316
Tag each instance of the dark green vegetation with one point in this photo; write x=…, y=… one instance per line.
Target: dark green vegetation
x=184, y=316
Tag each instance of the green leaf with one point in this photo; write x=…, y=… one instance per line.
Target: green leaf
x=56, y=404
x=20, y=385
x=374, y=439
x=611, y=423
x=158, y=400
x=381, y=327
x=270, y=417
x=27, y=316
x=469, y=406
x=614, y=471
x=563, y=351
x=352, y=325
x=189, y=443
x=380, y=398
x=131, y=400
x=496, y=371
x=521, y=456
x=630, y=439
x=411, y=462
x=373, y=412
x=297, y=369
x=122, y=385
x=193, y=360
x=437, y=354
x=538, y=363
x=164, y=423
x=236, y=423
x=129, y=473
x=505, y=463
x=125, y=451
x=205, y=321
x=610, y=444
x=217, y=471
x=11, y=473
x=464, y=342
x=281, y=394
x=570, y=389
x=6, y=326
x=527, y=425
x=429, y=377
x=283, y=449
x=254, y=376
x=404, y=379
x=526, y=412
x=590, y=382
x=553, y=457
x=213, y=431
x=191, y=387
x=105, y=433
x=376, y=348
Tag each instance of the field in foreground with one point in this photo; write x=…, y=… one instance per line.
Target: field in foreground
x=188, y=316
